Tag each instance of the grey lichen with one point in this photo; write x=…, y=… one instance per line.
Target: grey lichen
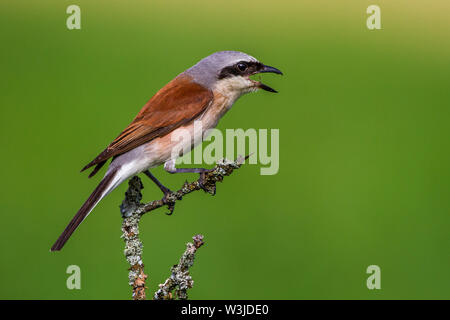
x=180, y=280
x=130, y=234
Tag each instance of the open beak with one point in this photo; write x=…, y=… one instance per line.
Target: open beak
x=268, y=69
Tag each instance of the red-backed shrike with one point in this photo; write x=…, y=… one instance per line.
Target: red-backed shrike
x=204, y=92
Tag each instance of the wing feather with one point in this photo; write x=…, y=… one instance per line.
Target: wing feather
x=176, y=104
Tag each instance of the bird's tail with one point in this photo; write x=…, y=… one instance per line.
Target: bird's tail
x=108, y=183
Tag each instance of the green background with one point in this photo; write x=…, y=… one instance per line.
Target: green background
x=364, y=148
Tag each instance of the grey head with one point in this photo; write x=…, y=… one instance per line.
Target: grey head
x=232, y=67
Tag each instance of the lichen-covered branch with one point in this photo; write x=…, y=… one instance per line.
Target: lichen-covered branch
x=210, y=178
x=133, y=245
x=132, y=210
x=180, y=280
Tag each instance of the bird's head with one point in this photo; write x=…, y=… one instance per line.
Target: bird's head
x=229, y=73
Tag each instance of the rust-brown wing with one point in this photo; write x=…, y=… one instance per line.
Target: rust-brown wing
x=176, y=104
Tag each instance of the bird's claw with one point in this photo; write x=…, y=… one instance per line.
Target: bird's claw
x=171, y=207
x=170, y=199
x=205, y=185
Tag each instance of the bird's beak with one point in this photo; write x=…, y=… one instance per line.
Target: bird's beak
x=268, y=69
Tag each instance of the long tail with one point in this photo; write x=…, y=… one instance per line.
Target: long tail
x=107, y=184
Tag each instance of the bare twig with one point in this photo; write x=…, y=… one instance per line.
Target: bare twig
x=180, y=279
x=132, y=210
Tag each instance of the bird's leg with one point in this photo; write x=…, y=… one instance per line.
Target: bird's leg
x=169, y=166
x=163, y=188
x=189, y=170
x=167, y=192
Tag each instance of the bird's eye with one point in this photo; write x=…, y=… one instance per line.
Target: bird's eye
x=241, y=66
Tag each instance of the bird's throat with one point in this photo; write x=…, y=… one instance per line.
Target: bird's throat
x=234, y=87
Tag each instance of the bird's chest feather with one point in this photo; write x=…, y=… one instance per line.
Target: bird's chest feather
x=220, y=105
x=188, y=136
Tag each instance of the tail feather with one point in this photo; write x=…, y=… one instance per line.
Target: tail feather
x=102, y=189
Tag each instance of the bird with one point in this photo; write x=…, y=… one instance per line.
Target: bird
x=204, y=92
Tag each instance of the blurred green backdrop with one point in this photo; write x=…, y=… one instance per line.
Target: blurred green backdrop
x=364, y=152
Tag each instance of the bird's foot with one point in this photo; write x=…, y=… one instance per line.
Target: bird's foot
x=206, y=184
x=170, y=198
